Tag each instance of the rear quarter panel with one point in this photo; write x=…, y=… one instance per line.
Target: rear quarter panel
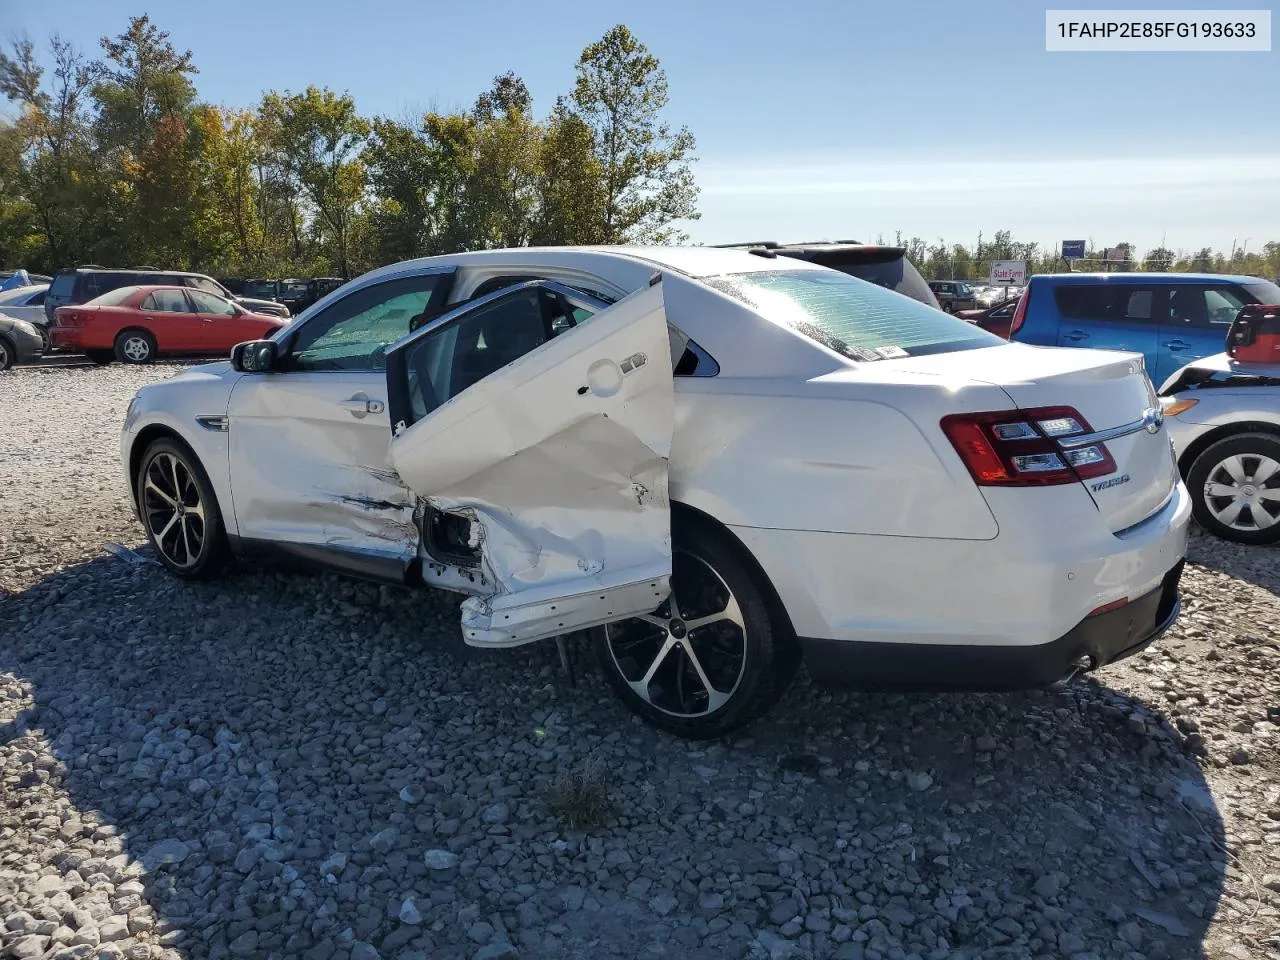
x=854, y=464
x=1042, y=319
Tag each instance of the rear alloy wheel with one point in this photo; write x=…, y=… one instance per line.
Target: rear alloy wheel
x=1235, y=488
x=135, y=346
x=948, y=308
x=709, y=659
x=179, y=511
x=8, y=354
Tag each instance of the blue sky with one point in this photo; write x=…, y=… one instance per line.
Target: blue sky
x=814, y=120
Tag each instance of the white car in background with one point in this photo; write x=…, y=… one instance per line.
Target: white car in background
x=716, y=462
x=1224, y=418
x=27, y=304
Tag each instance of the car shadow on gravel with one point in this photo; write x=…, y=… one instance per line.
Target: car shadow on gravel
x=305, y=766
x=1256, y=565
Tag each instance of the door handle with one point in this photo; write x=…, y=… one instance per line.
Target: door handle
x=1076, y=335
x=1177, y=345
x=360, y=405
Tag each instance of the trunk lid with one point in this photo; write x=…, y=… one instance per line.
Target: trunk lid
x=1110, y=389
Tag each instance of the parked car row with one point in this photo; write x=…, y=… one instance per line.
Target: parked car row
x=296, y=294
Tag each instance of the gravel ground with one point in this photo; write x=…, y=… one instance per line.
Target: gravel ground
x=288, y=764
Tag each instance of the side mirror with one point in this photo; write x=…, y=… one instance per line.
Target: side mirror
x=255, y=356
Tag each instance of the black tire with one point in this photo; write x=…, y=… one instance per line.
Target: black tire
x=948, y=308
x=100, y=357
x=194, y=489
x=1209, y=468
x=135, y=346
x=8, y=353
x=704, y=562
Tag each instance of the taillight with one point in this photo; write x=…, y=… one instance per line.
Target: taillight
x=1020, y=312
x=1027, y=448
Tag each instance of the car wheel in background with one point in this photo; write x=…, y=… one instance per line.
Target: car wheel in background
x=1235, y=488
x=8, y=353
x=948, y=308
x=100, y=357
x=711, y=658
x=179, y=511
x=135, y=346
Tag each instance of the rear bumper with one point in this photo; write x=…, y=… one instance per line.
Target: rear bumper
x=1094, y=642
x=65, y=338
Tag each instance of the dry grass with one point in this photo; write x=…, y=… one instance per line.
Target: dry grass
x=580, y=798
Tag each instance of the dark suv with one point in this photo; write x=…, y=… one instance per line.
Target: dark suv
x=82, y=284
x=954, y=295
x=883, y=266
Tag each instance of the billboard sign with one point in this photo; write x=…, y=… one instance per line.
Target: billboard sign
x=1009, y=271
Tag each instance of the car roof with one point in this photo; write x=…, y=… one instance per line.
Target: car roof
x=696, y=262
x=1145, y=278
x=141, y=270
x=150, y=287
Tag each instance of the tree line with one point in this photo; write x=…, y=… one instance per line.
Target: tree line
x=956, y=261
x=115, y=160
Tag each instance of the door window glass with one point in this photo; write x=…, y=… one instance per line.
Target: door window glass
x=1118, y=303
x=351, y=334
x=1221, y=304
x=464, y=351
x=208, y=303
x=166, y=301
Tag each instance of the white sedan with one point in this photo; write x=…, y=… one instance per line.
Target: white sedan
x=1224, y=417
x=717, y=462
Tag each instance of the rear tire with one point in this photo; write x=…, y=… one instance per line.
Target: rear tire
x=180, y=511
x=1235, y=488
x=100, y=357
x=742, y=660
x=135, y=346
x=948, y=308
x=8, y=353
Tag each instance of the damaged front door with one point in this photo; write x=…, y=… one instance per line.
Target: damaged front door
x=543, y=418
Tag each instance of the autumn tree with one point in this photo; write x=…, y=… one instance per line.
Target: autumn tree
x=318, y=136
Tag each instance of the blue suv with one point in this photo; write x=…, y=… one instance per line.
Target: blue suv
x=1169, y=318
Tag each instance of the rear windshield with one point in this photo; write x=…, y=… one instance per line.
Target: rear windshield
x=260, y=288
x=855, y=319
x=115, y=297
x=1266, y=291
x=897, y=275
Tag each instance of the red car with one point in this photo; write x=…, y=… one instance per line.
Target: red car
x=995, y=319
x=138, y=324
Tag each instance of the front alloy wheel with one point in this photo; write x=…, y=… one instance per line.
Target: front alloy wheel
x=1235, y=487
x=179, y=511
x=709, y=659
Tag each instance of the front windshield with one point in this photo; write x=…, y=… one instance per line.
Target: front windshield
x=859, y=320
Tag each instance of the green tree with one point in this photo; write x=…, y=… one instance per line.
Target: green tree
x=318, y=136
x=620, y=94
x=49, y=162
x=144, y=79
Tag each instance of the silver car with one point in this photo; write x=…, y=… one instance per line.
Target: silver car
x=20, y=342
